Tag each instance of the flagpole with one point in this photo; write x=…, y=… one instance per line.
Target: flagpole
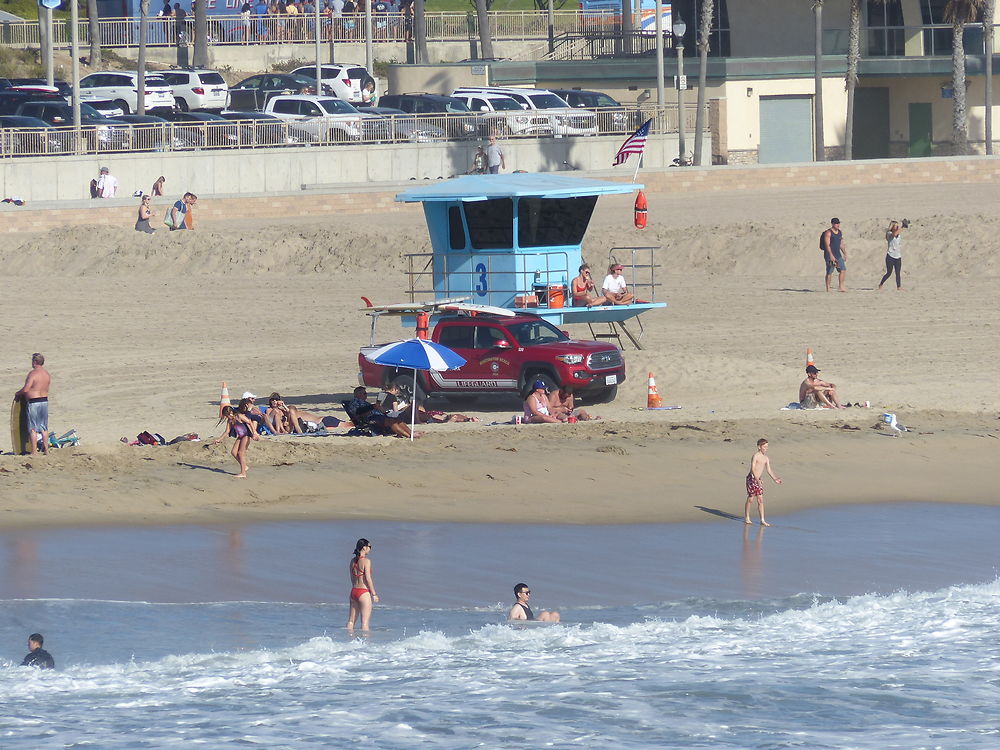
x=638, y=163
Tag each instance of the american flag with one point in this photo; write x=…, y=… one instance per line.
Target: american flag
x=634, y=144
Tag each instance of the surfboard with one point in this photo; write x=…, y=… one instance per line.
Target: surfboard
x=20, y=439
x=412, y=307
x=470, y=307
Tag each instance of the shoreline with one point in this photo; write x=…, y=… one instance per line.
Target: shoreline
x=666, y=471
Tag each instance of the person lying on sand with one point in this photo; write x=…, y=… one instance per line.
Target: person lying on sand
x=393, y=401
x=813, y=391
x=282, y=418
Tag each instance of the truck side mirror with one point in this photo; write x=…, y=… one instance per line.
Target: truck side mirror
x=502, y=344
x=565, y=333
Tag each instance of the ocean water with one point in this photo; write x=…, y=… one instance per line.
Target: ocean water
x=861, y=627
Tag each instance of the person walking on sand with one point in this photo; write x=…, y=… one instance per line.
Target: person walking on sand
x=182, y=213
x=241, y=427
x=893, y=252
x=521, y=610
x=362, y=587
x=35, y=392
x=831, y=242
x=755, y=488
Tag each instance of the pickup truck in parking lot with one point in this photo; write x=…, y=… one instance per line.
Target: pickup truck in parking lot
x=505, y=355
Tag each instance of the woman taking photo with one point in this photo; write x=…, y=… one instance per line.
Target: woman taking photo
x=362, y=588
x=893, y=254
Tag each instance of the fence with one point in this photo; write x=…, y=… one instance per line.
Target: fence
x=272, y=132
x=283, y=29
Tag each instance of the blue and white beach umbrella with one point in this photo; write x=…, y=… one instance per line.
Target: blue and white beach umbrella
x=416, y=354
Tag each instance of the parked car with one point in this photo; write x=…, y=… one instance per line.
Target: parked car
x=106, y=107
x=25, y=136
x=259, y=129
x=326, y=117
x=506, y=355
x=152, y=133
x=216, y=131
x=440, y=111
x=346, y=80
x=99, y=133
x=123, y=88
x=504, y=116
x=197, y=88
x=256, y=91
x=565, y=119
x=37, y=84
x=12, y=99
x=404, y=127
x=613, y=116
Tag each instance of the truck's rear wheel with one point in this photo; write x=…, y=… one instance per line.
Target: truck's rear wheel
x=404, y=381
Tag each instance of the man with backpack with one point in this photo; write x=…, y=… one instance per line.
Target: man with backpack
x=831, y=242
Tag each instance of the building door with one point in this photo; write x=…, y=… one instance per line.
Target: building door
x=786, y=129
x=871, y=123
x=920, y=129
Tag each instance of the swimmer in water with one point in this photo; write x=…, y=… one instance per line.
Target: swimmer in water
x=362, y=588
x=521, y=610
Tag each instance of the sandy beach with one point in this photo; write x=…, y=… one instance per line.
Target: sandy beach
x=140, y=331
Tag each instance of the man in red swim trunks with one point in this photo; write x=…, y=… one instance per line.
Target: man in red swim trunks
x=755, y=488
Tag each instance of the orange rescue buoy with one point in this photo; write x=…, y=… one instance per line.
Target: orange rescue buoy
x=423, y=325
x=640, y=210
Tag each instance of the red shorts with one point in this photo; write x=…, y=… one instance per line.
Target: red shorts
x=754, y=486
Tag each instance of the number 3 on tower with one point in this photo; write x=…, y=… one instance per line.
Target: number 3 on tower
x=481, y=287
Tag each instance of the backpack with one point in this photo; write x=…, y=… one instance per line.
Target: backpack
x=167, y=219
x=145, y=438
x=822, y=245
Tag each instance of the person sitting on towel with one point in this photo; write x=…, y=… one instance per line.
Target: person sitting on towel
x=361, y=406
x=814, y=392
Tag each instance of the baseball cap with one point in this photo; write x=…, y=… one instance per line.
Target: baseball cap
x=617, y=267
x=812, y=368
x=105, y=169
x=540, y=384
x=247, y=394
x=834, y=220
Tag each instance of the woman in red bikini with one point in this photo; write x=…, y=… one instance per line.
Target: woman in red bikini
x=585, y=291
x=362, y=587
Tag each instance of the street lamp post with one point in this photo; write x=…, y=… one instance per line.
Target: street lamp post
x=679, y=27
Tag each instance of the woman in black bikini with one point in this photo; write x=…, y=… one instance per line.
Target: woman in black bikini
x=239, y=426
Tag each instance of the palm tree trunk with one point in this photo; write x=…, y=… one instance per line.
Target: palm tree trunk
x=853, y=57
x=959, y=113
x=94, y=29
x=485, y=34
x=201, y=34
x=988, y=15
x=704, y=35
x=818, y=70
x=143, y=36
x=420, y=32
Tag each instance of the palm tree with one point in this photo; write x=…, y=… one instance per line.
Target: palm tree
x=485, y=37
x=818, y=75
x=853, y=57
x=958, y=13
x=200, y=34
x=143, y=36
x=988, y=16
x=704, y=33
x=95, y=33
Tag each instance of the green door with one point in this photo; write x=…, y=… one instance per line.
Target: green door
x=920, y=129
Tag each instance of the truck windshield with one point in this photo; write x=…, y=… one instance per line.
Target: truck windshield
x=534, y=332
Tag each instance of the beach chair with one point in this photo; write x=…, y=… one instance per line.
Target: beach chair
x=364, y=424
x=70, y=438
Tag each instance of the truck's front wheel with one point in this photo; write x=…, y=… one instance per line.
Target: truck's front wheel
x=529, y=381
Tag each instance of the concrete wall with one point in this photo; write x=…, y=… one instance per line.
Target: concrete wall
x=288, y=169
x=378, y=200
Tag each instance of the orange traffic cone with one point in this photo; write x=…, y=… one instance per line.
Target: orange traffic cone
x=224, y=399
x=809, y=358
x=652, y=397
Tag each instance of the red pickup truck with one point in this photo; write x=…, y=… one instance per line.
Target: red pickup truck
x=506, y=355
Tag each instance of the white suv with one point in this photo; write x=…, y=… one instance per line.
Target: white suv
x=326, y=117
x=347, y=80
x=506, y=116
x=197, y=89
x=122, y=87
x=565, y=119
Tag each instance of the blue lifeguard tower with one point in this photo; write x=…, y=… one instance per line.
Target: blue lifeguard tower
x=514, y=241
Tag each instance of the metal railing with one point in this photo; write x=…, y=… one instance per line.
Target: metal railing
x=284, y=29
x=273, y=133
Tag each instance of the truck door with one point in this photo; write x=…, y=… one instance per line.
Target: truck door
x=487, y=367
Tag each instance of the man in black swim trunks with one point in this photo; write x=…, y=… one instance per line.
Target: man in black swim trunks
x=521, y=610
x=38, y=656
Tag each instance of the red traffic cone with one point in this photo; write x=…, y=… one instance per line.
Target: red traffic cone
x=652, y=397
x=224, y=399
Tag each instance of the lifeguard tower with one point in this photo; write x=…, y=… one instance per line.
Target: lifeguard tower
x=514, y=241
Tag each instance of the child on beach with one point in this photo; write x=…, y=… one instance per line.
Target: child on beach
x=755, y=488
x=241, y=427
